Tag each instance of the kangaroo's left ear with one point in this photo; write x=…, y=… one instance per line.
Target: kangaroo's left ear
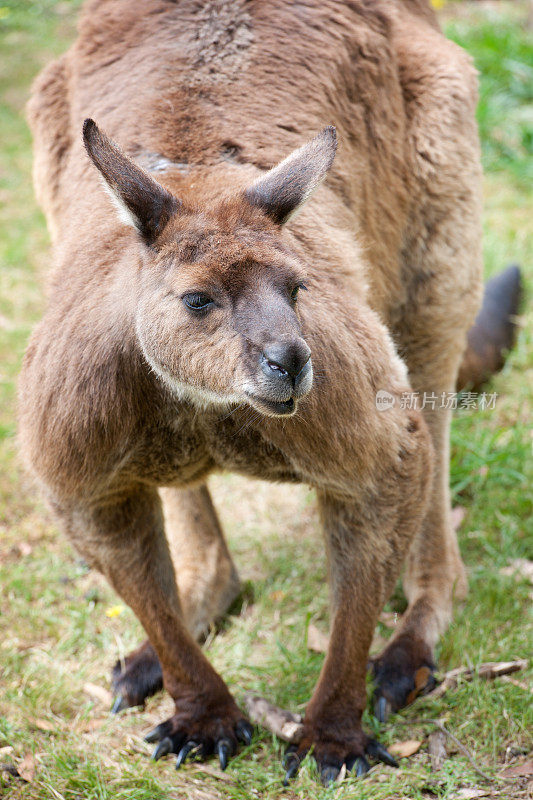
x=286, y=187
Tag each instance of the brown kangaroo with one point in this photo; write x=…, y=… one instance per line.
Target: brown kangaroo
x=189, y=308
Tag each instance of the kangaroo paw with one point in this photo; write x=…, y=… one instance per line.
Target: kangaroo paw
x=200, y=731
x=403, y=671
x=136, y=678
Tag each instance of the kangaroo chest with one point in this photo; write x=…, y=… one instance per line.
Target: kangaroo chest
x=186, y=448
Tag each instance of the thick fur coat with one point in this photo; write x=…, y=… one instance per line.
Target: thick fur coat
x=126, y=392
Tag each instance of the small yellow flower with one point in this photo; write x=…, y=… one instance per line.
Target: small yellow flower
x=114, y=611
x=438, y=4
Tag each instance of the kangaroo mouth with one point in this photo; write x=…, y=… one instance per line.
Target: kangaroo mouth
x=273, y=408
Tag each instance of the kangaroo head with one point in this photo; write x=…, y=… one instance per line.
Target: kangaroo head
x=217, y=314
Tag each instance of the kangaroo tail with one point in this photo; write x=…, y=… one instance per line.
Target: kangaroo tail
x=493, y=332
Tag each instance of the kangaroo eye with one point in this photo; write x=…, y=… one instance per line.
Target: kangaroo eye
x=197, y=301
x=294, y=293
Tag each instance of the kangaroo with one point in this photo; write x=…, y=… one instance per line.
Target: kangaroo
x=206, y=314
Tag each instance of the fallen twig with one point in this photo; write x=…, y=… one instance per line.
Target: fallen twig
x=437, y=750
x=487, y=671
x=282, y=723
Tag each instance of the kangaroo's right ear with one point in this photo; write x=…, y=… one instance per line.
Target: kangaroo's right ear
x=141, y=202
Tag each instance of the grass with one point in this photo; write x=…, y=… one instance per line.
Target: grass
x=505, y=112
x=55, y=636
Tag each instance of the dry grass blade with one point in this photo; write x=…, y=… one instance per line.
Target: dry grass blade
x=317, y=640
x=519, y=684
x=207, y=769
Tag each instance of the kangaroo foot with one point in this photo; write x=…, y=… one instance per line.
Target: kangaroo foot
x=403, y=671
x=200, y=730
x=343, y=743
x=136, y=678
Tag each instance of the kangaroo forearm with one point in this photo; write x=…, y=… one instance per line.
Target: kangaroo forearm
x=341, y=685
x=185, y=668
x=125, y=540
x=367, y=540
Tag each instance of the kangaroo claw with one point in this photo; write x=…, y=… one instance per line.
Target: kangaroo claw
x=184, y=752
x=361, y=766
x=244, y=732
x=382, y=709
x=377, y=751
x=157, y=733
x=329, y=775
x=224, y=750
x=119, y=704
x=292, y=763
x=164, y=747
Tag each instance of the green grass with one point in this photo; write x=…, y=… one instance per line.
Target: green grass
x=55, y=636
x=501, y=46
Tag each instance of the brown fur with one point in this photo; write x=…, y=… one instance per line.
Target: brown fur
x=124, y=390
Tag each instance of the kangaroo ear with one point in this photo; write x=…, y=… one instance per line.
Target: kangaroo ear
x=141, y=202
x=284, y=190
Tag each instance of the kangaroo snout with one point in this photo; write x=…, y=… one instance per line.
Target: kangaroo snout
x=289, y=363
x=286, y=375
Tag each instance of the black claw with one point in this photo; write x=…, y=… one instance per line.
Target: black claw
x=350, y=763
x=382, y=709
x=358, y=764
x=329, y=775
x=289, y=754
x=119, y=704
x=184, y=752
x=292, y=765
x=361, y=766
x=244, y=732
x=224, y=750
x=156, y=734
x=376, y=750
x=164, y=747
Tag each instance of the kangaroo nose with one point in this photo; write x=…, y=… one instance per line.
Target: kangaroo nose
x=285, y=359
